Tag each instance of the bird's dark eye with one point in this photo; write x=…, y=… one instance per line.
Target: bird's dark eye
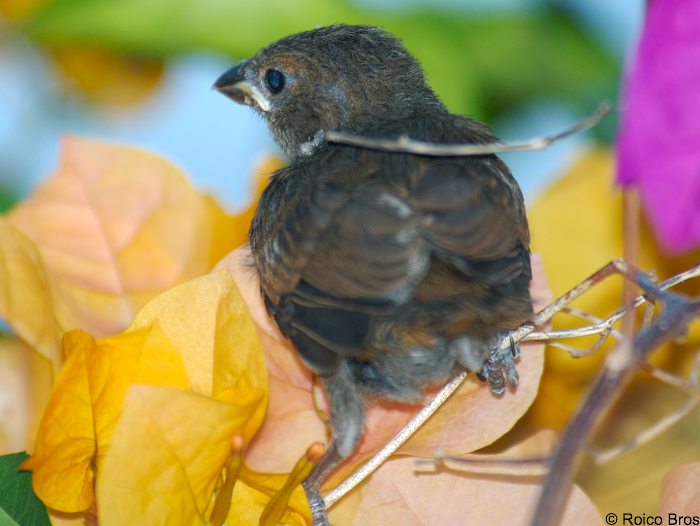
x=274, y=80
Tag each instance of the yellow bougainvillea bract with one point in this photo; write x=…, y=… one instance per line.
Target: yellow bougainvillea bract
x=164, y=375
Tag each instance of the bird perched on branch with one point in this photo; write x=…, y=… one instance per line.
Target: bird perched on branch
x=388, y=271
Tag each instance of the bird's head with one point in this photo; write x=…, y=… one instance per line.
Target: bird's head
x=349, y=78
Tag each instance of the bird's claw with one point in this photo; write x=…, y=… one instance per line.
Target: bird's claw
x=319, y=516
x=499, y=369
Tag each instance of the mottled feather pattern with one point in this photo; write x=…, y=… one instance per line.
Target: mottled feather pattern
x=389, y=272
x=409, y=233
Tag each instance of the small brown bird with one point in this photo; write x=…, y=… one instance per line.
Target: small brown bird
x=388, y=271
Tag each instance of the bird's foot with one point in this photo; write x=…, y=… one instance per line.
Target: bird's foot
x=499, y=369
x=329, y=460
x=319, y=516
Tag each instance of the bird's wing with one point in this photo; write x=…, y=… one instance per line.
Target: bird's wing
x=376, y=247
x=473, y=215
x=372, y=256
x=372, y=248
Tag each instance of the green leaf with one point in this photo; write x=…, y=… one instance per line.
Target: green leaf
x=18, y=504
x=164, y=27
x=7, y=198
x=482, y=65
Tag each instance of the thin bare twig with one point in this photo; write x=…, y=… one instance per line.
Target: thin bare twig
x=602, y=328
x=407, y=145
x=486, y=463
x=525, y=332
x=395, y=443
x=619, y=367
x=630, y=228
x=601, y=456
x=689, y=386
x=605, y=325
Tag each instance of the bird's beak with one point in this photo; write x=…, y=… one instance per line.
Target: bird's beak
x=236, y=85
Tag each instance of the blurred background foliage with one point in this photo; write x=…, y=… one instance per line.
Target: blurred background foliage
x=482, y=65
x=139, y=71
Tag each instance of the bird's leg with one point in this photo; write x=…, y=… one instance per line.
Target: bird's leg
x=492, y=363
x=499, y=369
x=347, y=423
x=313, y=482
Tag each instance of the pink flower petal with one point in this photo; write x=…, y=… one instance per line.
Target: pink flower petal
x=659, y=139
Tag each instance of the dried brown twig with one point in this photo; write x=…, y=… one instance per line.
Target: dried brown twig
x=407, y=145
x=678, y=311
x=621, y=364
x=689, y=386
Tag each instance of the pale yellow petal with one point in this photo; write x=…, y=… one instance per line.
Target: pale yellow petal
x=115, y=226
x=85, y=406
x=166, y=456
x=25, y=386
x=25, y=299
x=401, y=493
